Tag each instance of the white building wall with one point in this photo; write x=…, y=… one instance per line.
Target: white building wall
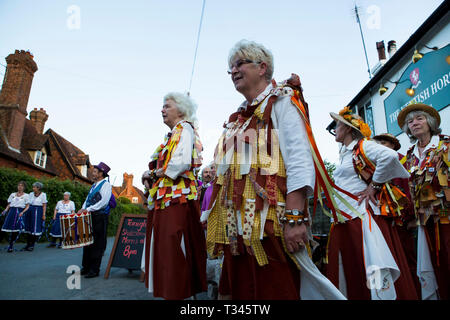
x=438, y=36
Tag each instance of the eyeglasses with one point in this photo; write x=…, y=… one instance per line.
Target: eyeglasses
x=239, y=63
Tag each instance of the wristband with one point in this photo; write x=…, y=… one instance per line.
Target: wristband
x=377, y=186
x=293, y=217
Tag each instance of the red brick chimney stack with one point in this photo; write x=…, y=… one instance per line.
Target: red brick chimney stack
x=38, y=118
x=20, y=69
x=128, y=183
x=381, y=51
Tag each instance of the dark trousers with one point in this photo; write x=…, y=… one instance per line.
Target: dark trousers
x=31, y=240
x=92, y=254
x=12, y=238
x=106, y=231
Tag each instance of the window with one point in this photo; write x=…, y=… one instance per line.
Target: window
x=83, y=170
x=40, y=158
x=366, y=113
x=135, y=200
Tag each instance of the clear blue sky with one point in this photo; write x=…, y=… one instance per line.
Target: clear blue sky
x=103, y=84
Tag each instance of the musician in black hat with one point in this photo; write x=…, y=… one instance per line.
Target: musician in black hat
x=97, y=203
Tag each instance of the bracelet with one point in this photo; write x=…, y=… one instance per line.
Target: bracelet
x=294, y=216
x=377, y=186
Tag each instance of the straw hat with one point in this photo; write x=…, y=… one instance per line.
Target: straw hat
x=417, y=107
x=352, y=120
x=389, y=137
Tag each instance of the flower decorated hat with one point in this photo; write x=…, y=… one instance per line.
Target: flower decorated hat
x=353, y=120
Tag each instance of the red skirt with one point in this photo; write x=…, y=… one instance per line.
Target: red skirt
x=346, y=238
x=244, y=279
x=176, y=274
x=409, y=247
x=404, y=285
x=440, y=257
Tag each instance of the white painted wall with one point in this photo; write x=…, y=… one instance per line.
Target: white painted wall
x=438, y=36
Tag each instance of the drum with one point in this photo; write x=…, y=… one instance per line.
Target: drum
x=76, y=230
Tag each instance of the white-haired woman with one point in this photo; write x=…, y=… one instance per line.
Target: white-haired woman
x=35, y=215
x=65, y=206
x=17, y=205
x=175, y=251
x=428, y=163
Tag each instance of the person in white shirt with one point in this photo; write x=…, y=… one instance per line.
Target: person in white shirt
x=65, y=206
x=174, y=257
x=97, y=203
x=265, y=173
x=34, y=217
x=17, y=205
x=365, y=257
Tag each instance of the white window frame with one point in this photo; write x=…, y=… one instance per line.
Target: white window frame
x=40, y=158
x=83, y=170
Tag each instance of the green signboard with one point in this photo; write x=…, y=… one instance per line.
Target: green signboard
x=430, y=79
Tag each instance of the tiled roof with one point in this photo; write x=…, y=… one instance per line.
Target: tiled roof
x=73, y=155
x=24, y=156
x=31, y=139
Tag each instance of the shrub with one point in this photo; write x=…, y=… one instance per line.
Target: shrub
x=55, y=188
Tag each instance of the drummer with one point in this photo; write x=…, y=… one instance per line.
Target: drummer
x=65, y=206
x=97, y=203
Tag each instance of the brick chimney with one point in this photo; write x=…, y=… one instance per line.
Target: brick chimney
x=381, y=51
x=128, y=183
x=20, y=69
x=391, y=48
x=38, y=118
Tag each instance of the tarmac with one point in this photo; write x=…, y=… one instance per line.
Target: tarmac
x=43, y=275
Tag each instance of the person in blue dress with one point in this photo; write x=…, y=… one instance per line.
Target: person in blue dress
x=35, y=215
x=65, y=206
x=17, y=204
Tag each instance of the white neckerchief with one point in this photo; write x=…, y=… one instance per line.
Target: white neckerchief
x=434, y=142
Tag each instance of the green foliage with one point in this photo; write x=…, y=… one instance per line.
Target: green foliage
x=124, y=205
x=124, y=200
x=330, y=168
x=55, y=189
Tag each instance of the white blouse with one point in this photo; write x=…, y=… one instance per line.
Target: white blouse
x=293, y=140
x=37, y=201
x=387, y=167
x=16, y=201
x=434, y=142
x=65, y=208
x=181, y=158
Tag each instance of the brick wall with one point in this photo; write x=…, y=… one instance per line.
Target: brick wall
x=15, y=91
x=35, y=172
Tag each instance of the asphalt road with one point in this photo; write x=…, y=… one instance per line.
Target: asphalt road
x=42, y=274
